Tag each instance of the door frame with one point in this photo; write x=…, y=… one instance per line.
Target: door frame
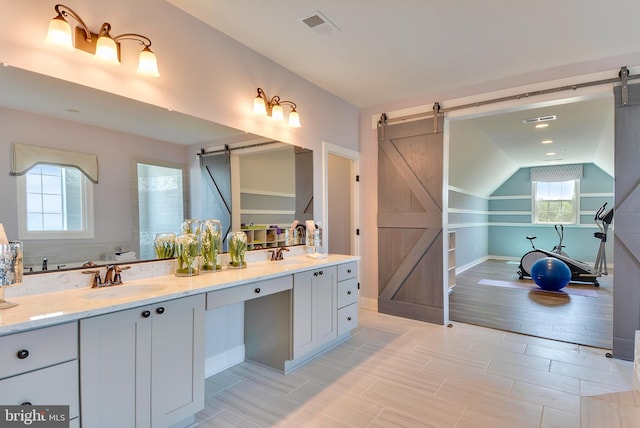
x=329, y=148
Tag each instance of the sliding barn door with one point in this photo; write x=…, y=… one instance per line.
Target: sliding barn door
x=626, y=221
x=216, y=173
x=410, y=241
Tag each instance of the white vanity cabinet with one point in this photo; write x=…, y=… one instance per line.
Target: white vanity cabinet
x=143, y=367
x=315, y=302
x=40, y=367
x=347, y=297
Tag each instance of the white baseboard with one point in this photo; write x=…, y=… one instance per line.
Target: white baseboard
x=220, y=362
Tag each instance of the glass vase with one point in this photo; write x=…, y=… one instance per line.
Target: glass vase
x=211, y=245
x=187, y=254
x=237, y=245
x=11, y=269
x=164, y=245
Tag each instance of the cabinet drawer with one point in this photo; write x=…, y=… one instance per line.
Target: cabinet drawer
x=347, y=292
x=241, y=293
x=56, y=385
x=347, y=270
x=347, y=318
x=35, y=349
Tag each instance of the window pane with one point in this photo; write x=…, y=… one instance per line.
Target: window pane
x=555, y=202
x=52, y=221
x=51, y=184
x=52, y=204
x=34, y=221
x=34, y=182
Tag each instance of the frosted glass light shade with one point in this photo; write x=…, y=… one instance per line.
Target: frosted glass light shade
x=259, y=107
x=147, y=63
x=59, y=34
x=294, y=119
x=277, y=113
x=107, y=50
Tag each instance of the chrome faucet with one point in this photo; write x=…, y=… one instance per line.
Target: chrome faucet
x=277, y=254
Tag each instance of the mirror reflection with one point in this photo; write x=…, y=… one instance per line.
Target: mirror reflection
x=143, y=151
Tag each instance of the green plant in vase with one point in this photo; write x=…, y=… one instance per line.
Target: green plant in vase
x=211, y=241
x=237, y=243
x=164, y=245
x=187, y=249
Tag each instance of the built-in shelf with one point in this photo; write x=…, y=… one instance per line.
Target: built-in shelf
x=451, y=270
x=264, y=237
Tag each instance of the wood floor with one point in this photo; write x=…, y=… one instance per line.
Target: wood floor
x=397, y=372
x=575, y=319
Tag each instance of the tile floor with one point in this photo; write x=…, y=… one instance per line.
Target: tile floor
x=396, y=372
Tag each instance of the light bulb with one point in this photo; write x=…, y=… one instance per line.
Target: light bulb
x=259, y=107
x=59, y=34
x=277, y=113
x=294, y=119
x=147, y=63
x=107, y=50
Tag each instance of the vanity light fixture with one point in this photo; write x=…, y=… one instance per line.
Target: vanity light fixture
x=264, y=106
x=102, y=45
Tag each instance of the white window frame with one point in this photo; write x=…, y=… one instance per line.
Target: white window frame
x=576, y=203
x=87, y=230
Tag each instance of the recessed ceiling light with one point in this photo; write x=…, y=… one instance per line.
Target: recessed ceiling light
x=551, y=153
x=546, y=142
x=542, y=125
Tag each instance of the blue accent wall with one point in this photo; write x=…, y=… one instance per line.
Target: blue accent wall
x=498, y=225
x=508, y=231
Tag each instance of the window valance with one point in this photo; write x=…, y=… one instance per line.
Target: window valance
x=556, y=173
x=25, y=157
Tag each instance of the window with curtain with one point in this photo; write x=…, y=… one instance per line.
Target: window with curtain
x=555, y=193
x=555, y=201
x=55, y=202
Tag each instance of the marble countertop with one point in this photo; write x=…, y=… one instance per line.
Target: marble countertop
x=50, y=308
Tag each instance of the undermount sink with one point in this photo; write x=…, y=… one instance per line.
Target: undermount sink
x=119, y=291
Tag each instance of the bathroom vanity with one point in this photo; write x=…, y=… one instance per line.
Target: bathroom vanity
x=133, y=355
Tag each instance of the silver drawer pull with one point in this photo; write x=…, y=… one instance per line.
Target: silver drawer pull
x=22, y=354
x=257, y=290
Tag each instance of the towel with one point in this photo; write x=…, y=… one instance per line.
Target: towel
x=125, y=256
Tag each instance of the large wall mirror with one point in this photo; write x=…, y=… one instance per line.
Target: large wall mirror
x=140, y=146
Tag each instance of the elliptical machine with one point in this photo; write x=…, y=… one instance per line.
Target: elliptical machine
x=580, y=271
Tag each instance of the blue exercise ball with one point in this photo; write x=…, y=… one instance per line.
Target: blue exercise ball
x=550, y=273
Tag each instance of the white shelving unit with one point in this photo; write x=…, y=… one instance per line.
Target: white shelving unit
x=264, y=237
x=451, y=271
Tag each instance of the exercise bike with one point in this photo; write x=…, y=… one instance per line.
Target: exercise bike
x=558, y=249
x=580, y=271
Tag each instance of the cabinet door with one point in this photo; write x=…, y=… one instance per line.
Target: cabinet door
x=302, y=312
x=177, y=366
x=314, y=309
x=115, y=352
x=325, y=305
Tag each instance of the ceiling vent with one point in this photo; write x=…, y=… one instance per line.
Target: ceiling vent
x=540, y=119
x=319, y=23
